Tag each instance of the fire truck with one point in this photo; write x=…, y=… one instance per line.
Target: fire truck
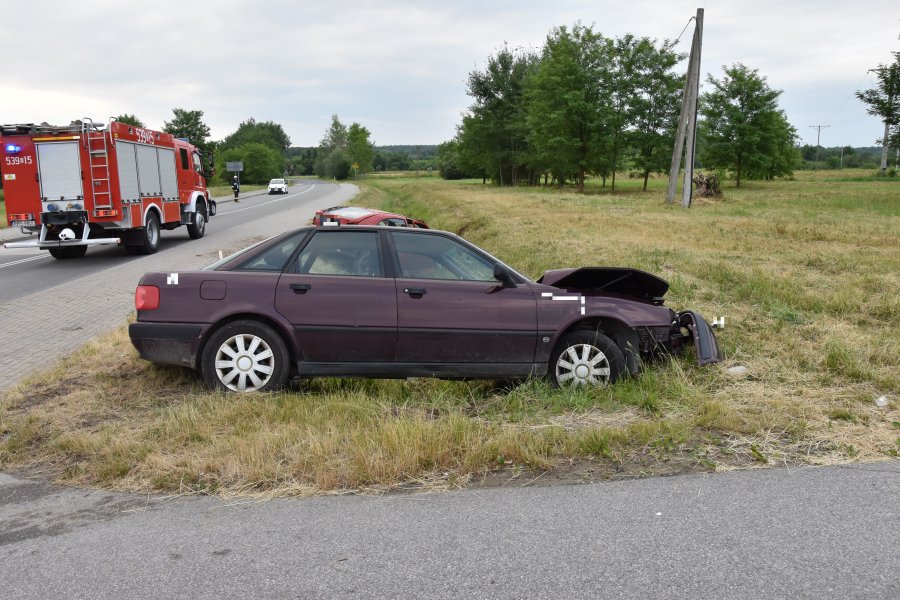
x=88, y=184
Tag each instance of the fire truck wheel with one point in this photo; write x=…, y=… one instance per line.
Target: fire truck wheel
x=197, y=227
x=212, y=208
x=71, y=252
x=148, y=237
x=245, y=356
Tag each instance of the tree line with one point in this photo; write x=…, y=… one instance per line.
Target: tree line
x=588, y=104
x=265, y=148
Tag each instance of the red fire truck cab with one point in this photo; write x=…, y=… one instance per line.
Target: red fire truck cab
x=86, y=184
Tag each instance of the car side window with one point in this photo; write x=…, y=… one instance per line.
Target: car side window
x=392, y=222
x=437, y=257
x=273, y=259
x=341, y=253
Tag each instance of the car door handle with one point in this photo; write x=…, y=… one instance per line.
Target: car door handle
x=415, y=292
x=300, y=288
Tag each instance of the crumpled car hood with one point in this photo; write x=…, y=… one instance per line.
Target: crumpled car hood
x=611, y=280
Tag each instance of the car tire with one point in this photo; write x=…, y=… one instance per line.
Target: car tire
x=197, y=227
x=148, y=237
x=245, y=356
x=586, y=357
x=69, y=252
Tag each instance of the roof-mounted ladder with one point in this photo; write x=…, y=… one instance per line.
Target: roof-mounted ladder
x=94, y=139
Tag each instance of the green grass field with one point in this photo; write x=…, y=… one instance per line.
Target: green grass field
x=805, y=272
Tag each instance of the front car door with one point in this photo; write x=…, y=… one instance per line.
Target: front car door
x=451, y=310
x=342, y=307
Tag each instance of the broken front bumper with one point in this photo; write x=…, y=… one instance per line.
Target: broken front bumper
x=705, y=343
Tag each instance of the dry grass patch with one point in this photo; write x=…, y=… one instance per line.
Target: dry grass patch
x=805, y=272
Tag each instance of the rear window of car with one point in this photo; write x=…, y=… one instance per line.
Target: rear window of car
x=275, y=258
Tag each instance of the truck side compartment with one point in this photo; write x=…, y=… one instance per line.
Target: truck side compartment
x=85, y=184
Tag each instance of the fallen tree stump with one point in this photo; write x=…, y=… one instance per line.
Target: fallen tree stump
x=707, y=185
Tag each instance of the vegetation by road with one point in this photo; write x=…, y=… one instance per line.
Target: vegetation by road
x=805, y=271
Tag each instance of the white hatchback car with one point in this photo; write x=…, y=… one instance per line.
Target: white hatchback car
x=279, y=186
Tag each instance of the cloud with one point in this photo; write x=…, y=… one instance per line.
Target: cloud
x=397, y=67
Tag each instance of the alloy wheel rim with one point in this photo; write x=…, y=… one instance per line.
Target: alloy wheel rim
x=244, y=363
x=582, y=364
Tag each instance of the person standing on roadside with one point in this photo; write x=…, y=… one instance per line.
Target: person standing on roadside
x=236, y=187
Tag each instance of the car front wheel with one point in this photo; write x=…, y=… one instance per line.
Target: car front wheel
x=245, y=356
x=586, y=357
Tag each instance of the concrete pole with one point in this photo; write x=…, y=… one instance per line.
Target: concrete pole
x=684, y=118
x=687, y=190
x=679, y=139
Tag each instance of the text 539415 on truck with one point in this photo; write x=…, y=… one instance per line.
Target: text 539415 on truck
x=86, y=184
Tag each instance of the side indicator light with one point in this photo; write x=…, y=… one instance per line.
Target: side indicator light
x=106, y=213
x=146, y=297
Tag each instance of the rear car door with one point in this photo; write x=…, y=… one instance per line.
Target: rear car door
x=450, y=309
x=342, y=307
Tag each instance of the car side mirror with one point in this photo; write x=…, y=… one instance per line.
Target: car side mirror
x=502, y=274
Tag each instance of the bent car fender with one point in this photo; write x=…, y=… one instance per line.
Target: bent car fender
x=705, y=342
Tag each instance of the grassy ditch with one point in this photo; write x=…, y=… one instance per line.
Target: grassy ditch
x=805, y=272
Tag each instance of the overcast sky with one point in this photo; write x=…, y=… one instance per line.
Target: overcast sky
x=399, y=67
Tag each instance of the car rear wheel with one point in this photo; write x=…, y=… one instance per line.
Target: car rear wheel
x=245, y=356
x=586, y=357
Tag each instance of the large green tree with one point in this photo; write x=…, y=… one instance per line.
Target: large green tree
x=742, y=129
x=189, y=124
x=653, y=107
x=884, y=102
x=261, y=162
x=493, y=132
x=252, y=131
x=360, y=149
x=332, y=160
x=569, y=103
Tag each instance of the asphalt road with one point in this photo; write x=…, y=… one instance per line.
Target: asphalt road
x=816, y=533
x=26, y=271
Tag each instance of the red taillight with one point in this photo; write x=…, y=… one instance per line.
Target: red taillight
x=146, y=297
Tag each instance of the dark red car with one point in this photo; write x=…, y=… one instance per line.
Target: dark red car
x=393, y=302
x=355, y=215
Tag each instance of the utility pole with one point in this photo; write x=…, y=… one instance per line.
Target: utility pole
x=687, y=122
x=818, y=129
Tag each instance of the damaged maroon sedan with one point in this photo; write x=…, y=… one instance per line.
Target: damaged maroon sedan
x=333, y=301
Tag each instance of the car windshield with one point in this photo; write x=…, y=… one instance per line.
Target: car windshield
x=276, y=182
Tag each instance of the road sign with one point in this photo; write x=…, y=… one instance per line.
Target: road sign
x=234, y=166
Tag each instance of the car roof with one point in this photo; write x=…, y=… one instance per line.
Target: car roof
x=353, y=212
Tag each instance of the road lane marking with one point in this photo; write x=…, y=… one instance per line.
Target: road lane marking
x=269, y=202
x=24, y=260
